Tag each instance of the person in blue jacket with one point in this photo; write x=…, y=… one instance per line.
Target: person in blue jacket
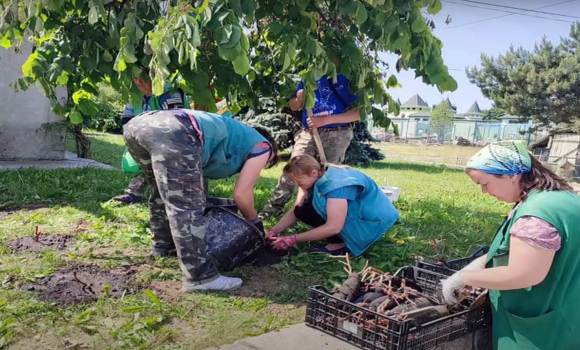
x=177, y=150
x=343, y=205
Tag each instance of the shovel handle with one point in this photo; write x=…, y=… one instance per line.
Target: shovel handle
x=317, y=140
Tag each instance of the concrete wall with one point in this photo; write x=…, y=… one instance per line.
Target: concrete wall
x=23, y=113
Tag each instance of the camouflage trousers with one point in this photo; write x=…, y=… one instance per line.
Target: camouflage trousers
x=138, y=184
x=169, y=151
x=335, y=143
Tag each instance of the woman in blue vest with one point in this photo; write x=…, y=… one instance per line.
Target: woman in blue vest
x=177, y=149
x=532, y=269
x=343, y=205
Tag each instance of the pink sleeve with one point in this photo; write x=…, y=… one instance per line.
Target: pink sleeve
x=537, y=233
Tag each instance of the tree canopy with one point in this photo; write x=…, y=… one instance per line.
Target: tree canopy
x=441, y=119
x=240, y=49
x=542, y=84
x=493, y=113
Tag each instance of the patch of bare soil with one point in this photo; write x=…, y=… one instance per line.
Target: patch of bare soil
x=168, y=291
x=262, y=282
x=81, y=284
x=29, y=207
x=266, y=257
x=43, y=242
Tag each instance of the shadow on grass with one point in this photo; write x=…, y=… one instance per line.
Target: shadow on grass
x=107, y=152
x=425, y=168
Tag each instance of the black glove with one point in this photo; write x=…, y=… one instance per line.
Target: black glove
x=259, y=224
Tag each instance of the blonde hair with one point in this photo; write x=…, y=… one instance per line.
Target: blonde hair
x=304, y=164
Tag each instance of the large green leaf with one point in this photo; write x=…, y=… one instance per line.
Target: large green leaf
x=5, y=40
x=418, y=25
x=236, y=5
x=120, y=64
x=88, y=107
x=248, y=7
x=230, y=54
x=29, y=64
x=435, y=7
x=93, y=15
x=392, y=82
x=75, y=117
x=242, y=64
x=361, y=13
x=303, y=4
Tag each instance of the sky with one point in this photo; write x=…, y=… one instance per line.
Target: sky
x=472, y=32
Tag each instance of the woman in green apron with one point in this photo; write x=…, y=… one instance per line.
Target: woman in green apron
x=532, y=269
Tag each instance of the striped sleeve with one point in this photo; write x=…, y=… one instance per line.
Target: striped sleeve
x=259, y=149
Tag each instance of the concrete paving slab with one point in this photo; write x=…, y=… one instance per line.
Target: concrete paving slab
x=71, y=161
x=294, y=337
x=305, y=338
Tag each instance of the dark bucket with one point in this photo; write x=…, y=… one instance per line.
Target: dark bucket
x=227, y=203
x=230, y=238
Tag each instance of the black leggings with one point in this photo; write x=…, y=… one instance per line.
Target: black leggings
x=306, y=213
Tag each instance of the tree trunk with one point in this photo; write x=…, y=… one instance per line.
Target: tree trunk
x=83, y=144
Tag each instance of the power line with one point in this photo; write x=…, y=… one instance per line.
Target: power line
x=522, y=9
x=496, y=17
x=513, y=13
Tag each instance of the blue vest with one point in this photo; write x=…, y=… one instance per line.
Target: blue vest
x=226, y=143
x=368, y=217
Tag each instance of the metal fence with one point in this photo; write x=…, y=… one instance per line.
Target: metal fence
x=473, y=131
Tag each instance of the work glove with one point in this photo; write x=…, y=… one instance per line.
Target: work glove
x=453, y=286
x=271, y=234
x=259, y=224
x=283, y=243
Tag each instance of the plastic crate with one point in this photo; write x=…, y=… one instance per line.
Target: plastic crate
x=450, y=267
x=338, y=318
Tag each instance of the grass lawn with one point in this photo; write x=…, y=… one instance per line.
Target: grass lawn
x=438, y=154
x=443, y=213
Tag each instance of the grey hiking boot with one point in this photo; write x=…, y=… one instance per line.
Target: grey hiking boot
x=220, y=284
x=164, y=253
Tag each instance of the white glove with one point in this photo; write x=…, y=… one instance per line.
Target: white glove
x=450, y=286
x=454, y=284
x=477, y=264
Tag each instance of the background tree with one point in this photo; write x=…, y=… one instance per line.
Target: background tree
x=441, y=120
x=542, y=84
x=493, y=113
x=249, y=48
x=360, y=151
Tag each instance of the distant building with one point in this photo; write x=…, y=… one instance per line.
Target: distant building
x=473, y=113
x=451, y=105
x=415, y=109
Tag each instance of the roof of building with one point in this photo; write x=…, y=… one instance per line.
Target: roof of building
x=474, y=109
x=415, y=101
x=398, y=101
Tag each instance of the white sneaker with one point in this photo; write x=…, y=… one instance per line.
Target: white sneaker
x=222, y=283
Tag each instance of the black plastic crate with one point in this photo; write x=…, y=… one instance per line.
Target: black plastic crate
x=341, y=319
x=450, y=267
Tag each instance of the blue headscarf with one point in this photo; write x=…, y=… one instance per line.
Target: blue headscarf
x=502, y=158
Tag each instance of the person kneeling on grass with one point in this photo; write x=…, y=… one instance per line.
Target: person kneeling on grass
x=343, y=205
